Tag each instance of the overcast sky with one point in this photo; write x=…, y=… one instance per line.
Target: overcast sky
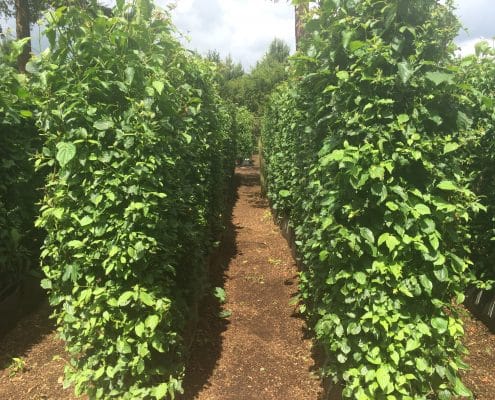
x=245, y=28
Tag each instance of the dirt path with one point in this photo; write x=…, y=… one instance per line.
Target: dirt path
x=259, y=351
x=31, y=361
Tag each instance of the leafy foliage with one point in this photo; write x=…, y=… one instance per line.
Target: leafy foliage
x=362, y=153
x=245, y=135
x=140, y=150
x=252, y=90
x=18, y=142
x=477, y=79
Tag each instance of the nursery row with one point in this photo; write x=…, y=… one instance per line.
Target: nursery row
x=137, y=149
x=379, y=150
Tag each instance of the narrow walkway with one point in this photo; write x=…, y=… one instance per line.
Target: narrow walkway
x=259, y=351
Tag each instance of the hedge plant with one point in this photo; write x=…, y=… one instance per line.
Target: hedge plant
x=18, y=186
x=134, y=138
x=363, y=152
x=245, y=133
x=476, y=78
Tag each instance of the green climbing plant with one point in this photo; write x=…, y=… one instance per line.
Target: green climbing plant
x=18, y=183
x=139, y=150
x=245, y=133
x=363, y=152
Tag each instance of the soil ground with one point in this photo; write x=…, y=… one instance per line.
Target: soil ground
x=258, y=350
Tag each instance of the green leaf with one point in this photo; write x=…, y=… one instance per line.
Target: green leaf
x=139, y=329
x=360, y=277
x=421, y=364
x=152, y=322
x=449, y=147
x=113, y=251
x=463, y=121
x=346, y=38
x=284, y=193
x=426, y=283
x=75, y=244
x=125, y=298
x=441, y=274
x=225, y=314
x=187, y=137
x=412, y=344
x=447, y=186
x=31, y=66
x=129, y=75
x=123, y=347
x=343, y=75
x=377, y=172
x=220, y=294
x=439, y=77
x=462, y=390
x=405, y=72
x=356, y=45
x=367, y=234
x=158, y=86
x=440, y=324
x=403, y=118
x=103, y=125
x=383, y=378
x=46, y=284
x=66, y=152
x=422, y=209
x=160, y=392
x=86, y=221
x=336, y=155
x=390, y=240
x=146, y=298
x=392, y=206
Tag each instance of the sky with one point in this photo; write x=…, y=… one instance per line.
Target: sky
x=245, y=28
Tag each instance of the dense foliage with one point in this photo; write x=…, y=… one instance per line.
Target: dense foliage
x=252, y=89
x=139, y=148
x=244, y=121
x=476, y=78
x=362, y=152
x=18, y=190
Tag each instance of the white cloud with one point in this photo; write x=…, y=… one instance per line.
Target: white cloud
x=245, y=28
x=241, y=28
x=467, y=47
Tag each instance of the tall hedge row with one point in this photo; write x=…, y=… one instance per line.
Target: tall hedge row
x=363, y=152
x=18, y=186
x=140, y=150
x=476, y=78
x=245, y=145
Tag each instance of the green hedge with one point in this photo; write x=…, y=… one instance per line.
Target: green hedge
x=245, y=133
x=140, y=149
x=363, y=153
x=18, y=190
x=476, y=78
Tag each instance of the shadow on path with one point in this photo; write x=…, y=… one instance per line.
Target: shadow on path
x=207, y=344
x=26, y=334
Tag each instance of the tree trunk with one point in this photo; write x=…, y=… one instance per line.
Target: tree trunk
x=301, y=11
x=22, y=24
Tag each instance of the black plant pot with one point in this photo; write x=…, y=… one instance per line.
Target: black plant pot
x=481, y=303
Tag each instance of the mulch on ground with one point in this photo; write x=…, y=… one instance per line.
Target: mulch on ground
x=37, y=374
x=480, y=342
x=260, y=350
